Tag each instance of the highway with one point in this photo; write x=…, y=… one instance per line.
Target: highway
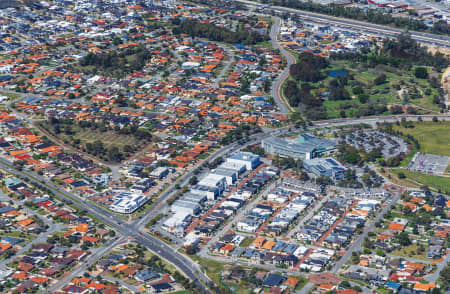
x=186, y=265
x=379, y=30
x=133, y=230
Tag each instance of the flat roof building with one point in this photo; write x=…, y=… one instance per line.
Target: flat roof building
x=305, y=146
x=159, y=173
x=287, y=148
x=185, y=206
x=230, y=175
x=249, y=159
x=240, y=167
x=214, y=181
x=209, y=192
x=327, y=167
x=126, y=202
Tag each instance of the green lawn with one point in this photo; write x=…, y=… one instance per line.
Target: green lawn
x=12, y=96
x=411, y=251
x=214, y=271
x=247, y=242
x=79, y=137
x=433, y=137
x=386, y=93
x=418, y=179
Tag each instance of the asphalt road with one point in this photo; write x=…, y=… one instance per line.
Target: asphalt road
x=81, y=267
x=379, y=30
x=356, y=246
x=52, y=228
x=186, y=265
x=131, y=230
x=276, y=86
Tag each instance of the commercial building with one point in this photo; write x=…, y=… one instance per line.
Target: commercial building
x=322, y=146
x=185, y=206
x=239, y=167
x=305, y=146
x=230, y=175
x=188, y=203
x=159, y=173
x=249, y=159
x=142, y=186
x=327, y=167
x=209, y=184
x=210, y=193
x=287, y=148
x=126, y=202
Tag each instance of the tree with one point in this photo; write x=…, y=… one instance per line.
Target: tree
x=403, y=239
x=308, y=68
x=357, y=90
x=381, y=79
x=345, y=284
x=396, y=109
x=411, y=110
x=192, y=249
x=114, y=154
x=401, y=175
x=193, y=180
x=363, y=98
x=355, y=257
x=209, y=31
x=421, y=72
x=338, y=93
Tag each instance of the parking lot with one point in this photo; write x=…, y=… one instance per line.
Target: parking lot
x=429, y=163
x=369, y=140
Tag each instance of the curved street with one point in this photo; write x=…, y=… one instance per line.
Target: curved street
x=133, y=230
x=283, y=106
x=380, y=30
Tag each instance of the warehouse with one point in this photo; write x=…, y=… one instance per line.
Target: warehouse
x=210, y=193
x=214, y=181
x=188, y=196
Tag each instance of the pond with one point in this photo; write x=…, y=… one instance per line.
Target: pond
x=335, y=73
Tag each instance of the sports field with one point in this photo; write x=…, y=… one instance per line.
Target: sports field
x=434, y=138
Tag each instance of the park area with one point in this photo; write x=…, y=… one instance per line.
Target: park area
x=366, y=87
x=104, y=143
x=433, y=139
x=376, y=82
x=416, y=179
